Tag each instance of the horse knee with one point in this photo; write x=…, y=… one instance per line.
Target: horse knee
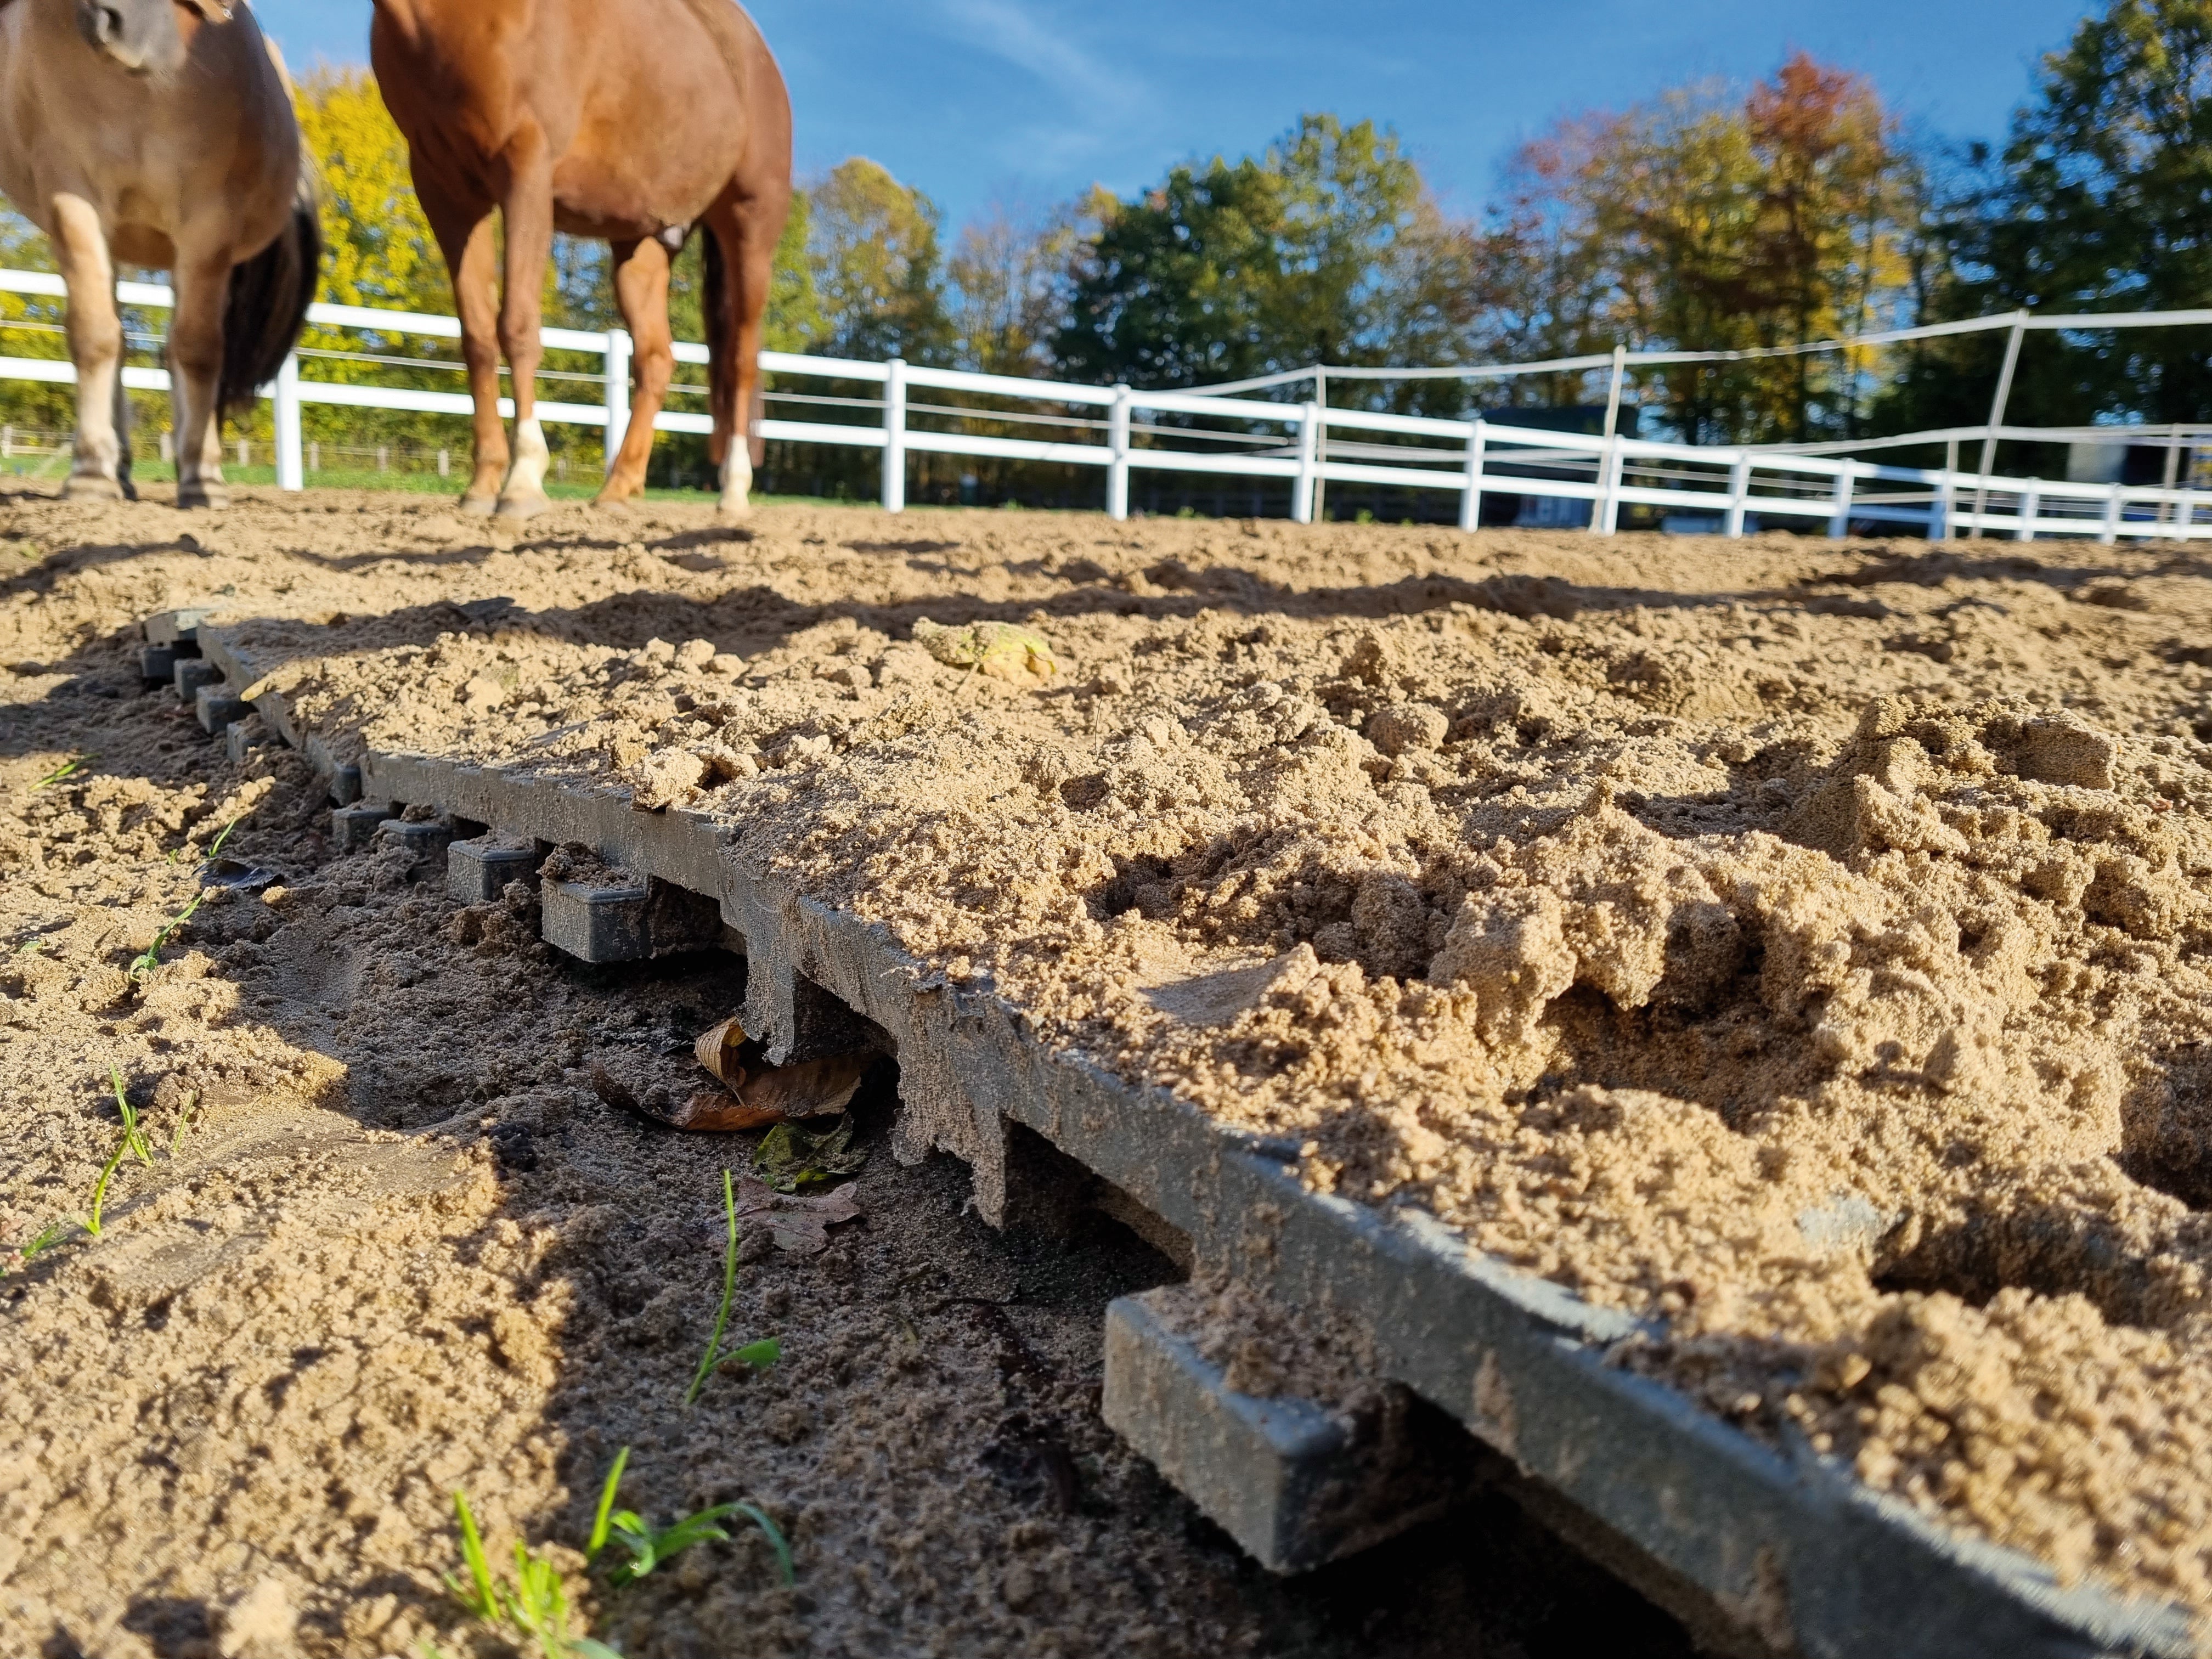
x=197, y=353
x=95, y=339
x=518, y=336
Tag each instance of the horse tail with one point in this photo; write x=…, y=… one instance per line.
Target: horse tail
x=266, y=302
x=722, y=371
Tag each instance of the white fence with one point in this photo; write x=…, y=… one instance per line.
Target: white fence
x=1305, y=446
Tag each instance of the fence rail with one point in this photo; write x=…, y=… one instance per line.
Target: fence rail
x=1306, y=445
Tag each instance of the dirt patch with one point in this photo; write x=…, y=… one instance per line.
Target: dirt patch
x=391, y=1241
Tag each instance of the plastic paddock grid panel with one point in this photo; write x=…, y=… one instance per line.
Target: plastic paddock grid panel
x=1778, y=1545
x=1724, y=485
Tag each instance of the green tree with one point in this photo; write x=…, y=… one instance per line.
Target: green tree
x=1011, y=283
x=2101, y=200
x=872, y=248
x=1236, y=269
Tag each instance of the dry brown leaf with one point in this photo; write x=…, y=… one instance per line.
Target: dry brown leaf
x=718, y=1109
x=755, y=1096
x=813, y=1088
x=799, y=1222
x=720, y=1051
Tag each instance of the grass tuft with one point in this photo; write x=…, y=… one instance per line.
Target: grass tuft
x=143, y=967
x=533, y=1606
x=649, y=1547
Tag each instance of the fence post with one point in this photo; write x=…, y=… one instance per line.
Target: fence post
x=1470, y=499
x=290, y=472
x=1840, y=516
x=1939, y=510
x=1604, y=518
x=895, y=436
x=2030, y=508
x=1302, y=493
x=1996, y=419
x=1117, y=444
x=2109, y=531
x=617, y=392
x=1739, y=492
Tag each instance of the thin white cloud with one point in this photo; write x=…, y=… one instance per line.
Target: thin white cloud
x=1093, y=98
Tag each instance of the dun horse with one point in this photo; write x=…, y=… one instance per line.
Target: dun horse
x=159, y=132
x=626, y=120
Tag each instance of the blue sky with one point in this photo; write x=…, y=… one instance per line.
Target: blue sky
x=1028, y=101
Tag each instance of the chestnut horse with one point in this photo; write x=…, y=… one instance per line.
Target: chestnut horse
x=159, y=132
x=626, y=120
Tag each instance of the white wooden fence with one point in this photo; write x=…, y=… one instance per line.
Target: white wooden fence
x=1305, y=446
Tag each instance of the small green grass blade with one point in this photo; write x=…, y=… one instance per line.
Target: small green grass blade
x=64, y=770
x=486, y=1602
x=131, y=1136
x=773, y=1533
x=708, y=1360
x=759, y=1355
x=183, y=1116
x=605, y=1515
x=100, y=1188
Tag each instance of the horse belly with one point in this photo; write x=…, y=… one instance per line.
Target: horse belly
x=616, y=198
x=141, y=245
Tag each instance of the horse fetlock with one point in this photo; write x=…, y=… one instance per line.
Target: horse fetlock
x=527, y=476
x=737, y=482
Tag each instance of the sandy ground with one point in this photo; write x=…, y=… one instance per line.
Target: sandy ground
x=1800, y=946
x=391, y=1242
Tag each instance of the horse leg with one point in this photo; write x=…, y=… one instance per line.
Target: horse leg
x=96, y=342
x=527, y=217
x=749, y=257
x=464, y=236
x=642, y=291
x=121, y=417
x=195, y=366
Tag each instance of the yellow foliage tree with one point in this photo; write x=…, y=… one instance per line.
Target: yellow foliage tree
x=378, y=248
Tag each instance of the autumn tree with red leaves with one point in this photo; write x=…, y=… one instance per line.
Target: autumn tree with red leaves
x=1706, y=220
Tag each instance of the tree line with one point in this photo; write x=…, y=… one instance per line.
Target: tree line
x=1801, y=208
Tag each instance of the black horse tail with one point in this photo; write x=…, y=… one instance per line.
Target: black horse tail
x=265, y=303
x=721, y=373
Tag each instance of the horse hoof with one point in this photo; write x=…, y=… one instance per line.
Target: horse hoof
x=518, y=507
x=478, y=506
x=192, y=496
x=91, y=487
x=732, y=510
x=612, y=504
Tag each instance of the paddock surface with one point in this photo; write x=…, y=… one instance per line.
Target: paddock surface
x=1792, y=950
